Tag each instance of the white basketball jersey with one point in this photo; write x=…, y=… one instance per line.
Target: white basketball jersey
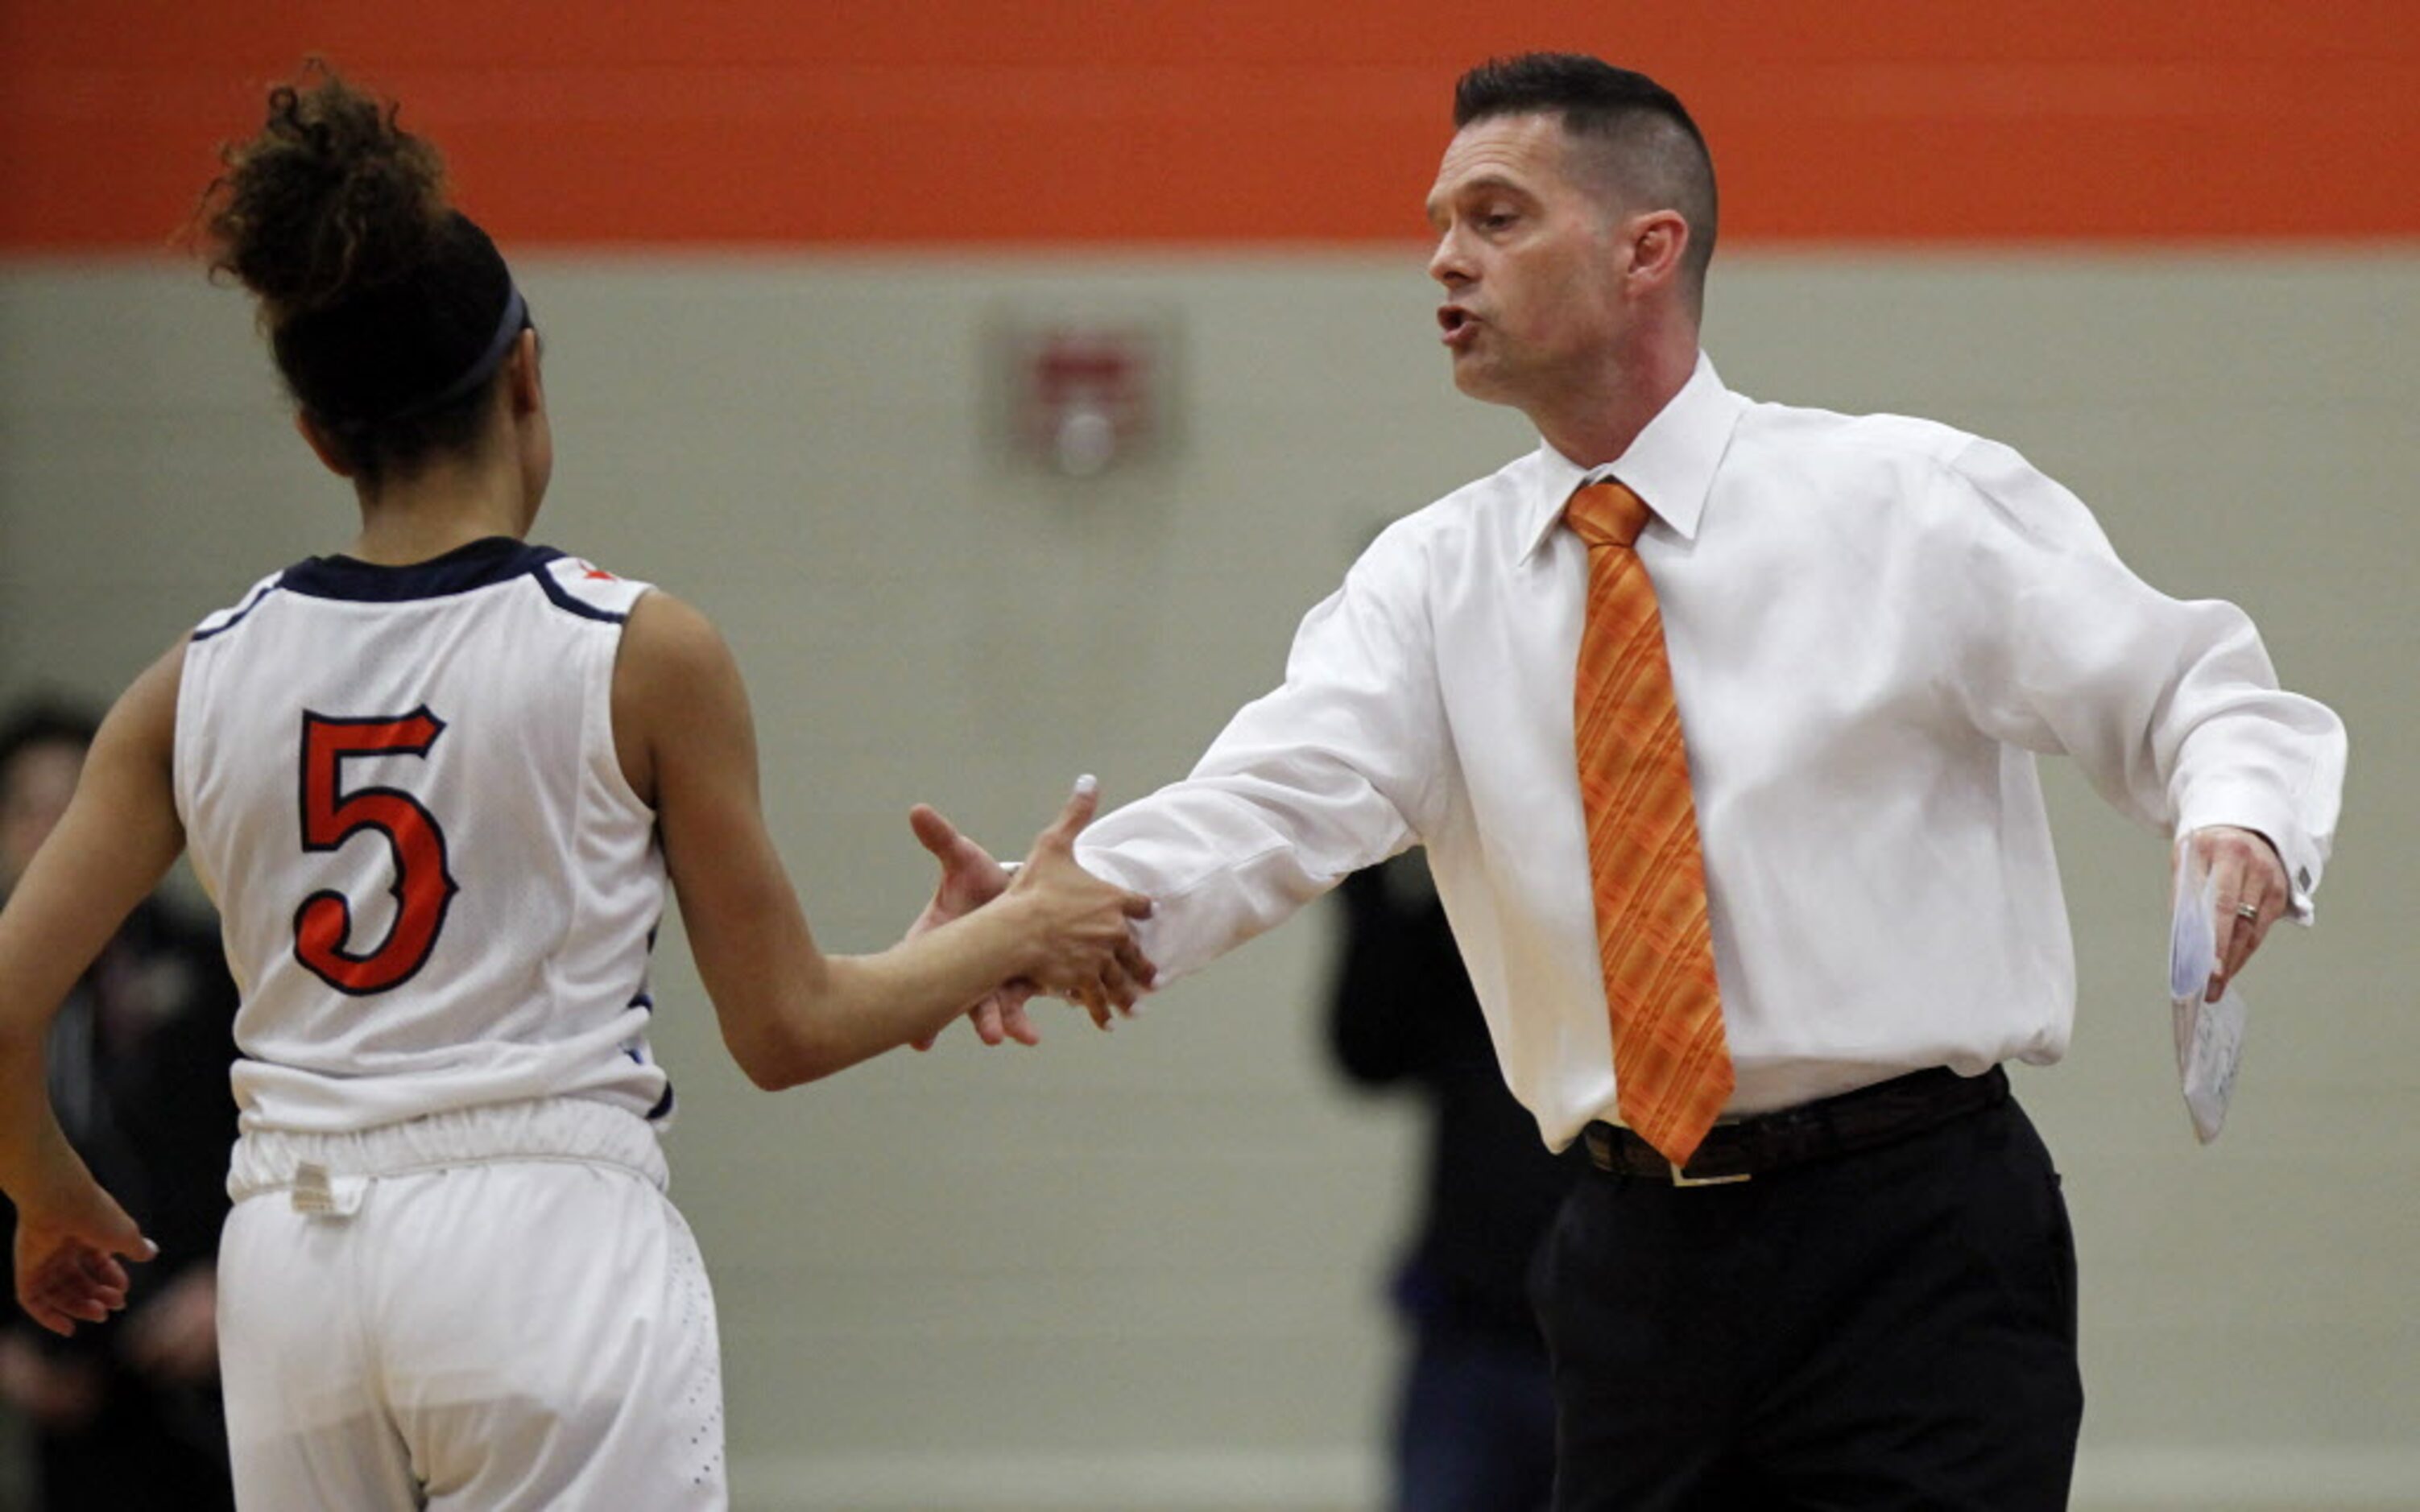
x=400, y=787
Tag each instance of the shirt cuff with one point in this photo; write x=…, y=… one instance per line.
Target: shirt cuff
x=2245, y=807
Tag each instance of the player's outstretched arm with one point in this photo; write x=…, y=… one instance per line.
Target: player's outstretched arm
x=789, y=1012
x=118, y=839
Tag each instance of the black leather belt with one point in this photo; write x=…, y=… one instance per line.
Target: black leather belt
x=1872, y=1116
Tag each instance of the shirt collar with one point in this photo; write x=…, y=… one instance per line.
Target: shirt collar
x=475, y=564
x=1670, y=465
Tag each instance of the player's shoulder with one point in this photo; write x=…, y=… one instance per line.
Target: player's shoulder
x=671, y=644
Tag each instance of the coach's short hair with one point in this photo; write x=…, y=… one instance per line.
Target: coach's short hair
x=1652, y=152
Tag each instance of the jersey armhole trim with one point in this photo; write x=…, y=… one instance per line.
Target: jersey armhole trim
x=617, y=781
x=565, y=600
x=236, y=616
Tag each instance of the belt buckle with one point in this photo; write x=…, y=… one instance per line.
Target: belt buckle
x=1681, y=1178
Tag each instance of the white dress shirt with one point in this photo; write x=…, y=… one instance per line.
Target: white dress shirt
x=1874, y=623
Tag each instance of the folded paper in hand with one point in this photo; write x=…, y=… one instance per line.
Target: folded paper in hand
x=2210, y=1036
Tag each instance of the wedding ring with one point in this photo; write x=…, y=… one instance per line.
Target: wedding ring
x=2247, y=910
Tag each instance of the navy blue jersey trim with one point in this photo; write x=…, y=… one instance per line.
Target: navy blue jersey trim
x=481, y=563
x=663, y=1106
x=564, y=600
x=241, y=613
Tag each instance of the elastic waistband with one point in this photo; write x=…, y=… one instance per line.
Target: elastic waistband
x=563, y=1128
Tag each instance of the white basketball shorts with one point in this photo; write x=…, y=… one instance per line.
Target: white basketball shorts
x=496, y=1309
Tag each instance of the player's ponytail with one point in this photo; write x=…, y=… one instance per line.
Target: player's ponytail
x=390, y=310
x=331, y=197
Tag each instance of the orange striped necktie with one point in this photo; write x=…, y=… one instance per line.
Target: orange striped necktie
x=1671, y=1062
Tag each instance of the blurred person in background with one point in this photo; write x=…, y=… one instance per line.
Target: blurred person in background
x=130, y=1417
x=1474, y=1427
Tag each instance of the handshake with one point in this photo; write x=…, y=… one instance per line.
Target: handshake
x=1080, y=928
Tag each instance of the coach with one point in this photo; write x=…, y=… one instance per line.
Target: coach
x=1718, y=719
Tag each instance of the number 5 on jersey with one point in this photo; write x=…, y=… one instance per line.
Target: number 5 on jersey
x=424, y=888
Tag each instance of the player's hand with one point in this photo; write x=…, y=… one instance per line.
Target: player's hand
x=2252, y=894
x=69, y=1250
x=970, y=879
x=1089, y=954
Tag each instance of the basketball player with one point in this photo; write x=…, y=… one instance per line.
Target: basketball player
x=437, y=785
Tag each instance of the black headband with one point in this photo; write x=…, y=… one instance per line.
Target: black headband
x=411, y=343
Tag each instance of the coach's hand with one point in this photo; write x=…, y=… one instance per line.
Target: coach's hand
x=1095, y=962
x=2252, y=894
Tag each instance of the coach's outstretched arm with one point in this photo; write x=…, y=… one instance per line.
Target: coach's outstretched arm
x=1328, y=773
x=789, y=1012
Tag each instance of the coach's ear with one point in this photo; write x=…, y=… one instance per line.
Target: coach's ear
x=321, y=447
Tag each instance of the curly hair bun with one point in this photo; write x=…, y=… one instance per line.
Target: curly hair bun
x=329, y=201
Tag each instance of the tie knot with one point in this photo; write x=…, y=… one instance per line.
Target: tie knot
x=1606, y=514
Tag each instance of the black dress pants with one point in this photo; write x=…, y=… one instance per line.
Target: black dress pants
x=1889, y=1329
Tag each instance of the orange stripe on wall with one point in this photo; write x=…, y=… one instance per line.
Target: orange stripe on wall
x=1046, y=122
